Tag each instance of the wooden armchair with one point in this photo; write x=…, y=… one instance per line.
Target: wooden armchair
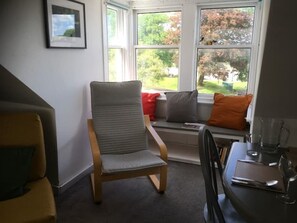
x=118, y=137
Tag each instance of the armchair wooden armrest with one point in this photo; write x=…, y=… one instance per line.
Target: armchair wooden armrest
x=96, y=175
x=94, y=145
x=157, y=139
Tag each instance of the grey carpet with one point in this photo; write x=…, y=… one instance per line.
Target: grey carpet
x=136, y=200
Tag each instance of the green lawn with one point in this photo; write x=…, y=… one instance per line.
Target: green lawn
x=210, y=86
x=167, y=84
x=213, y=86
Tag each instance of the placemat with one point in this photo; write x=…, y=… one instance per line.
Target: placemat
x=260, y=173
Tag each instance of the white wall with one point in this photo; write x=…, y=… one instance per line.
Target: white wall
x=59, y=76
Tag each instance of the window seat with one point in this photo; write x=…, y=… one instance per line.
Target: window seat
x=217, y=131
x=182, y=141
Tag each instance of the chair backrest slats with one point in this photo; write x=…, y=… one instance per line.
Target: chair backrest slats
x=211, y=165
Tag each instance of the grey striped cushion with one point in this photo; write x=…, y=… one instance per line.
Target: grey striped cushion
x=132, y=161
x=118, y=117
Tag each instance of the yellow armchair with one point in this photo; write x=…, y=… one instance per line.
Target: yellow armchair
x=37, y=204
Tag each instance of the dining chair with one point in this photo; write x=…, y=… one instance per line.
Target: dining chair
x=218, y=207
x=118, y=133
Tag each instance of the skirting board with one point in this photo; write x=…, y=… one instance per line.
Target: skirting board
x=61, y=188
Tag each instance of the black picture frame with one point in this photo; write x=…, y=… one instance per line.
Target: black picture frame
x=65, y=24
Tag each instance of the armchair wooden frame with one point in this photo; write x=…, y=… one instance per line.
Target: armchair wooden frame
x=97, y=177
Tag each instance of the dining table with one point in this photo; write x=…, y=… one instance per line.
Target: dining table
x=254, y=204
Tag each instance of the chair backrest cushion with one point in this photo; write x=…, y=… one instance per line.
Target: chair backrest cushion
x=118, y=116
x=24, y=130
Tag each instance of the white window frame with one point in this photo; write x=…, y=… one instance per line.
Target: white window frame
x=254, y=46
x=123, y=31
x=135, y=46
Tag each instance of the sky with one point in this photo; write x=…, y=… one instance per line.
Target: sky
x=62, y=22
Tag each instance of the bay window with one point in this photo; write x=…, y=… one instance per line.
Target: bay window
x=210, y=47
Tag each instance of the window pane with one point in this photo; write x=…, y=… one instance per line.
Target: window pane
x=115, y=65
x=159, y=28
x=158, y=68
x=226, y=26
x=223, y=70
x=112, y=25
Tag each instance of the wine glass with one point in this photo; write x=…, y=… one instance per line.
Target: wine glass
x=289, y=175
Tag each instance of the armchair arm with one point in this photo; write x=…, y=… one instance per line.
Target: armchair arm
x=157, y=139
x=94, y=146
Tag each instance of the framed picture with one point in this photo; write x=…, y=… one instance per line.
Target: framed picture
x=65, y=24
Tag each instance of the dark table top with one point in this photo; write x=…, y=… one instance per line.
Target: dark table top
x=255, y=205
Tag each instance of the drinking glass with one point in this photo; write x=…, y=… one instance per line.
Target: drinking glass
x=253, y=144
x=289, y=175
x=273, y=134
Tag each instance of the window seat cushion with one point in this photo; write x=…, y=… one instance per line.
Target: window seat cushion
x=162, y=123
x=230, y=111
x=181, y=106
x=149, y=104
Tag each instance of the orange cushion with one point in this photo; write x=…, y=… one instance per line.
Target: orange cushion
x=149, y=104
x=230, y=111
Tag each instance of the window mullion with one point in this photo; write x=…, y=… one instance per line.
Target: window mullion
x=224, y=46
x=156, y=46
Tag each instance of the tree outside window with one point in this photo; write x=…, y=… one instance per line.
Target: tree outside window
x=224, y=50
x=157, y=54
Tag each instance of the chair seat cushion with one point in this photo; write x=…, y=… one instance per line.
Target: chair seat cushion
x=37, y=205
x=132, y=161
x=230, y=214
